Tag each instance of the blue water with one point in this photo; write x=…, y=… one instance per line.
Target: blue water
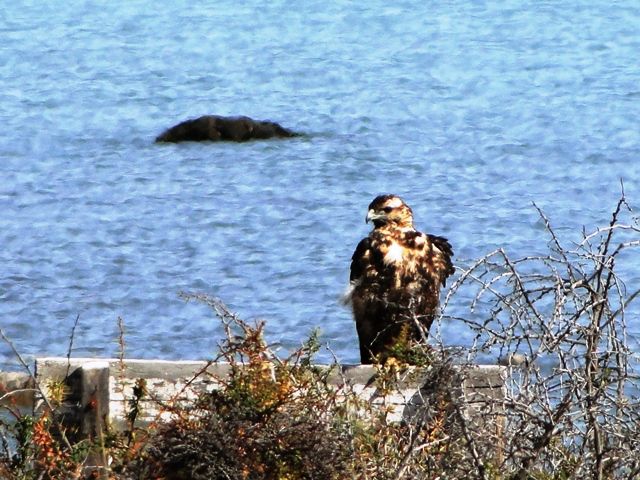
x=469, y=110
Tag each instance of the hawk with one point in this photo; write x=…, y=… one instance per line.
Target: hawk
x=395, y=280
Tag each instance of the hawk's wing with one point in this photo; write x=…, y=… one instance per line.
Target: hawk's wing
x=445, y=265
x=360, y=260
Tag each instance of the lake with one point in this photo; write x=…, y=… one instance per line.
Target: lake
x=471, y=111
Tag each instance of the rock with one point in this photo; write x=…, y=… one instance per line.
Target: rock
x=217, y=128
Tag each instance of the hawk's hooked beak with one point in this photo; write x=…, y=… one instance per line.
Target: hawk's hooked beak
x=373, y=215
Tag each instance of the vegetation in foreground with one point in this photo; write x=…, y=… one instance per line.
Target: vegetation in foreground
x=571, y=405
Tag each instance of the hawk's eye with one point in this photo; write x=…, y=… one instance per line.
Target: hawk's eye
x=387, y=209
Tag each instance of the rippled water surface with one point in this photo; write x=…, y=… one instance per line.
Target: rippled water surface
x=470, y=110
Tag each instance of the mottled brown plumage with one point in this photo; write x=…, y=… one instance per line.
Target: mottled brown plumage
x=395, y=281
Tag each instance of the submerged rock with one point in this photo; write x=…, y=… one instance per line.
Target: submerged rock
x=218, y=128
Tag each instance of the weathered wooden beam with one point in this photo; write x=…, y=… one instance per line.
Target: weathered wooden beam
x=94, y=404
x=94, y=398
x=481, y=387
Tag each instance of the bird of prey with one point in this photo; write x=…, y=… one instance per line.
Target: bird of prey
x=395, y=280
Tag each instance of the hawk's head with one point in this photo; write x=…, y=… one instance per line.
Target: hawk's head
x=390, y=210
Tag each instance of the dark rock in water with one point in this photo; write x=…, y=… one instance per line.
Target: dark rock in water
x=217, y=128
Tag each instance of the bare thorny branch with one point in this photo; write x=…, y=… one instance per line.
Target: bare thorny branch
x=572, y=405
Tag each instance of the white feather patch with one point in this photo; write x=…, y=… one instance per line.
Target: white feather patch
x=394, y=202
x=394, y=254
